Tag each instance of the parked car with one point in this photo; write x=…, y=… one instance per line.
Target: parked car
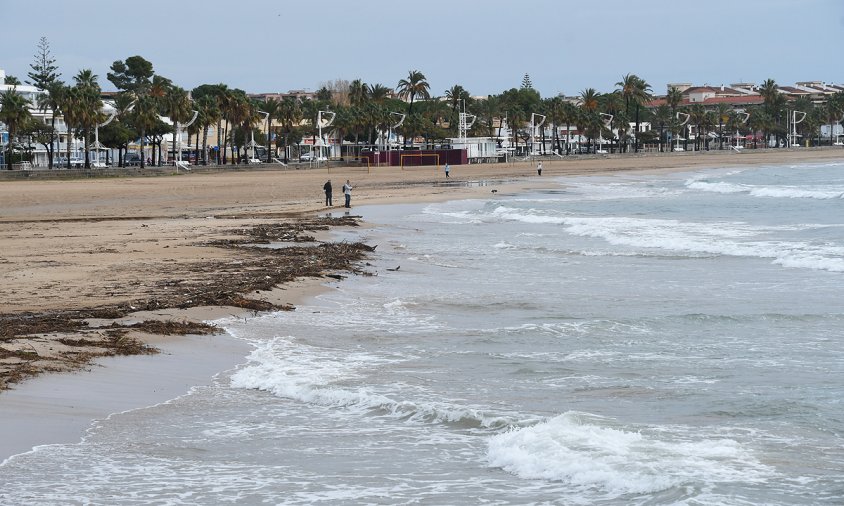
x=75, y=163
x=307, y=157
x=132, y=160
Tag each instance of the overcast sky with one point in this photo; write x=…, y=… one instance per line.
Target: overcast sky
x=486, y=46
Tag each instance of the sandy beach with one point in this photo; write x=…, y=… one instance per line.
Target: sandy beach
x=108, y=247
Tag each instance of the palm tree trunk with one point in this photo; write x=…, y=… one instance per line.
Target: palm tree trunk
x=143, y=136
x=568, y=138
x=234, y=155
x=69, y=137
x=50, y=152
x=204, y=147
x=87, y=151
x=219, y=126
x=636, y=138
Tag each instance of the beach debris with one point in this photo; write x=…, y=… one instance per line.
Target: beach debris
x=31, y=343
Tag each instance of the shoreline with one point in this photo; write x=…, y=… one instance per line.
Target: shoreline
x=53, y=408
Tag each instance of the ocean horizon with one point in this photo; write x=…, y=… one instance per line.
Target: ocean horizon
x=625, y=339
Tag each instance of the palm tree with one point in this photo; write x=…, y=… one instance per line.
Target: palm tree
x=697, y=117
x=208, y=114
x=144, y=117
x=358, y=93
x=50, y=101
x=588, y=119
x=554, y=110
x=769, y=91
x=834, y=108
x=271, y=107
x=662, y=117
x=414, y=86
x=759, y=121
x=774, y=103
x=516, y=119
x=637, y=91
x=159, y=88
x=611, y=103
x=237, y=112
x=289, y=115
x=87, y=107
x=14, y=112
x=378, y=93
x=123, y=105
x=455, y=95
x=673, y=99
x=569, y=118
x=179, y=109
x=67, y=98
x=723, y=114
x=589, y=99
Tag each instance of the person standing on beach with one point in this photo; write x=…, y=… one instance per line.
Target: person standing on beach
x=539, y=169
x=447, y=169
x=347, y=192
x=327, y=188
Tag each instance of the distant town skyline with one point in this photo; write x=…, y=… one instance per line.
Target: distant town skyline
x=486, y=46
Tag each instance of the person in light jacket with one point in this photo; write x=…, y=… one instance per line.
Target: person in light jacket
x=347, y=191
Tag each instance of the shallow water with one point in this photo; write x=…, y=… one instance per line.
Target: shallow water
x=670, y=339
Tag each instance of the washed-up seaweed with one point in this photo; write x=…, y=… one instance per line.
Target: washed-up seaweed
x=29, y=341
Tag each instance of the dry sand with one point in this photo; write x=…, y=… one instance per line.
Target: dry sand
x=85, y=243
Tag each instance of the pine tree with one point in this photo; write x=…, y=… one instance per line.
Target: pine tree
x=526, y=82
x=45, y=77
x=44, y=71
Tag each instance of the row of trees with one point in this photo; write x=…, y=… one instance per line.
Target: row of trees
x=364, y=111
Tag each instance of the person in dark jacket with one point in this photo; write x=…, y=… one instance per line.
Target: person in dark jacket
x=327, y=188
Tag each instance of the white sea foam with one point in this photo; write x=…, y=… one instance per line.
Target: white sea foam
x=321, y=377
x=793, y=192
x=708, y=238
x=627, y=190
x=590, y=453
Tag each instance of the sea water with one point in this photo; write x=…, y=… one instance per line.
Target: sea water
x=663, y=339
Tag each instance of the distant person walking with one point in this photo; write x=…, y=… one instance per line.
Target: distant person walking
x=447, y=170
x=347, y=192
x=327, y=188
x=539, y=169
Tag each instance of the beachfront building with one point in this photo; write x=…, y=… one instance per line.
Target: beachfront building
x=744, y=101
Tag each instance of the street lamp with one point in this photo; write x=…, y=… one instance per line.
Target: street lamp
x=607, y=123
x=331, y=115
x=685, y=120
x=97, y=136
x=392, y=126
x=252, y=134
x=533, y=126
x=179, y=136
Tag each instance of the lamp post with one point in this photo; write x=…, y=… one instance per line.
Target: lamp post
x=252, y=133
x=682, y=123
x=533, y=126
x=607, y=120
x=392, y=126
x=330, y=115
x=179, y=136
x=746, y=116
x=97, y=136
x=792, y=141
